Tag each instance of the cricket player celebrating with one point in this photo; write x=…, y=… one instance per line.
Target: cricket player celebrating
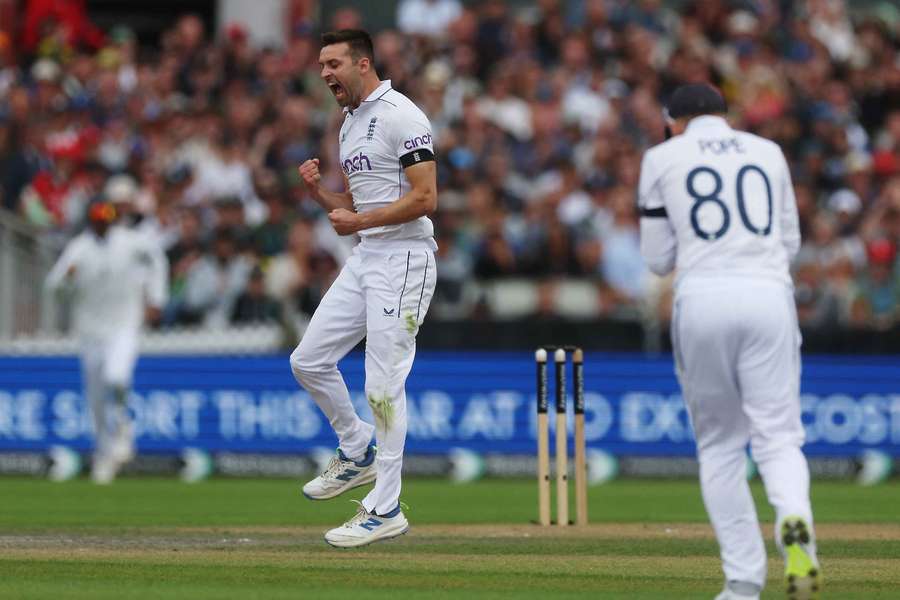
x=116, y=277
x=383, y=291
x=717, y=206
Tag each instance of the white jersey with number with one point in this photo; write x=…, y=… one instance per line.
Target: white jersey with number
x=378, y=140
x=717, y=205
x=716, y=202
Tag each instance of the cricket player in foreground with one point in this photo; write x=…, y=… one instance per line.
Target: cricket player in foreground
x=383, y=291
x=117, y=277
x=717, y=206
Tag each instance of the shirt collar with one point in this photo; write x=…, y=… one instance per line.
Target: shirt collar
x=383, y=87
x=379, y=91
x=707, y=122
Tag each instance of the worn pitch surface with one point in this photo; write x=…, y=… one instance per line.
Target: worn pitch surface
x=154, y=538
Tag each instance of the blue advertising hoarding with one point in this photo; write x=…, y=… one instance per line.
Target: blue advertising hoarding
x=483, y=401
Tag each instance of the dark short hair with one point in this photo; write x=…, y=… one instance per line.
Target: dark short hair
x=695, y=99
x=359, y=41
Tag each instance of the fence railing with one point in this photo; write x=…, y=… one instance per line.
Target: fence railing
x=26, y=256
x=33, y=322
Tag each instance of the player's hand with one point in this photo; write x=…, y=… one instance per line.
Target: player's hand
x=152, y=315
x=70, y=272
x=309, y=173
x=344, y=221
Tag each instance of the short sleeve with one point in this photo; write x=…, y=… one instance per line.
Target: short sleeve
x=658, y=242
x=650, y=201
x=412, y=138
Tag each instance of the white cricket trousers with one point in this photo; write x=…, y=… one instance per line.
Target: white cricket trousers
x=382, y=293
x=737, y=352
x=107, y=368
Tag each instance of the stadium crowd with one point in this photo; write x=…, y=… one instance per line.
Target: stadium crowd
x=540, y=115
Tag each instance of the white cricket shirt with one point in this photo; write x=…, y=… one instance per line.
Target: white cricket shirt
x=115, y=278
x=384, y=135
x=715, y=203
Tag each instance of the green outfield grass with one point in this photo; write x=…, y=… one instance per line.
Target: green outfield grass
x=155, y=538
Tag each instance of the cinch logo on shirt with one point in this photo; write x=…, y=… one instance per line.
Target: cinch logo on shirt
x=360, y=162
x=417, y=141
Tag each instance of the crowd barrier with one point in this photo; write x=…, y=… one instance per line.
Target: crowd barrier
x=479, y=401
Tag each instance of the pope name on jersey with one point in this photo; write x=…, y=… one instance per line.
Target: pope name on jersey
x=728, y=200
x=384, y=135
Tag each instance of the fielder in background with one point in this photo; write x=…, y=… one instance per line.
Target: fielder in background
x=717, y=206
x=383, y=291
x=116, y=278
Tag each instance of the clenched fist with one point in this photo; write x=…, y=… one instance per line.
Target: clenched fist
x=309, y=173
x=344, y=221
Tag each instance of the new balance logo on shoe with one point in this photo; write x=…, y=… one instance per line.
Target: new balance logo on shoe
x=371, y=524
x=388, y=313
x=347, y=475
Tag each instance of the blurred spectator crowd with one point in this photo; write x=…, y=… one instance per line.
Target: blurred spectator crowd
x=540, y=114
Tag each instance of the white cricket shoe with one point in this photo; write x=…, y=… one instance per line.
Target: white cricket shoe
x=340, y=475
x=122, y=449
x=118, y=452
x=103, y=469
x=727, y=594
x=365, y=528
x=739, y=590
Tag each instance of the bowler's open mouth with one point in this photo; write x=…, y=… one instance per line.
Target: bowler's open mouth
x=336, y=88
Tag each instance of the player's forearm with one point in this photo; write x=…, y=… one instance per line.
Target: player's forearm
x=409, y=207
x=55, y=281
x=660, y=264
x=60, y=277
x=332, y=200
x=158, y=290
x=658, y=247
x=791, y=245
x=790, y=230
